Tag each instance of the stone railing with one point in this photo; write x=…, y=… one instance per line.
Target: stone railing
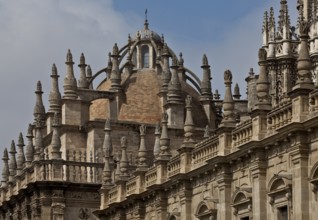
x=242, y=133
x=205, y=150
x=174, y=166
x=280, y=116
x=113, y=195
x=131, y=186
x=151, y=176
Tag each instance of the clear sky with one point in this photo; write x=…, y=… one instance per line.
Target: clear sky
x=34, y=34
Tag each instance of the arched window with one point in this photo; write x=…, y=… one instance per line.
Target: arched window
x=145, y=56
x=172, y=218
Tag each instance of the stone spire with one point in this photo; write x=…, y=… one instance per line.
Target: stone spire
x=82, y=82
x=166, y=74
x=181, y=69
x=107, y=173
x=39, y=110
x=188, y=125
x=265, y=29
x=206, y=93
x=262, y=85
x=237, y=94
x=124, y=163
x=156, y=149
x=107, y=145
x=115, y=75
x=117, y=171
x=55, y=95
x=13, y=161
x=228, y=104
x=142, y=152
x=29, y=151
x=304, y=64
x=174, y=87
x=70, y=85
x=20, y=156
x=89, y=77
x=5, y=168
x=164, y=139
x=56, y=141
x=38, y=142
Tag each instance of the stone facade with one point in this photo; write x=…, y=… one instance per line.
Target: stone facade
x=152, y=141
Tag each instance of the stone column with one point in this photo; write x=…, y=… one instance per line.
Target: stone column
x=224, y=184
x=185, y=201
x=161, y=206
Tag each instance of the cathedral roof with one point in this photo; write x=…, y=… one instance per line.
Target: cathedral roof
x=146, y=33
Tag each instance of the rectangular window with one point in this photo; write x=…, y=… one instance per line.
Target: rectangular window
x=283, y=213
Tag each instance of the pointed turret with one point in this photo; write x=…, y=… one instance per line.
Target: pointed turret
x=156, y=149
x=174, y=87
x=284, y=21
x=237, y=94
x=142, y=152
x=5, y=168
x=206, y=93
x=228, y=103
x=56, y=141
x=29, y=151
x=181, y=69
x=82, y=82
x=39, y=110
x=124, y=163
x=166, y=74
x=13, y=161
x=89, y=77
x=115, y=75
x=164, y=139
x=55, y=95
x=70, y=85
x=20, y=156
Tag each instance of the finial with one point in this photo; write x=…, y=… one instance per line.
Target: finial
x=124, y=158
x=115, y=75
x=29, y=151
x=5, y=168
x=54, y=69
x=89, y=77
x=13, y=162
x=205, y=60
x=82, y=82
x=55, y=95
x=82, y=59
x=69, y=56
x=20, y=156
x=227, y=76
x=162, y=39
x=174, y=86
x=107, y=145
x=56, y=141
x=237, y=94
x=228, y=104
x=142, y=152
x=181, y=61
x=217, y=95
x=262, y=84
x=146, y=20
x=115, y=50
x=188, y=124
x=39, y=110
x=164, y=139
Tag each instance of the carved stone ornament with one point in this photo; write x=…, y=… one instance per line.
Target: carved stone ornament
x=262, y=54
x=227, y=76
x=142, y=129
x=83, y=213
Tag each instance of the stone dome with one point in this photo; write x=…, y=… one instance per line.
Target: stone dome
x=146, y=33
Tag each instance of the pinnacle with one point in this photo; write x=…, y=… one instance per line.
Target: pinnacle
x=38, y=87
x=21, y=141
x=54, y=70
x=69, y=57
x=89, y=71
x=12, y=149
x=205, y=60
x=181, y=61
x=82, y=59
x=5, y=154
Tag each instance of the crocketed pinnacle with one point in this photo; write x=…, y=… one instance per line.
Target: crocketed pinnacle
x=55, y=95
x=20, y=156
x=237, y=94
x=174, y=87
x=13, y=161
x=284, y=21
x=206, y=93
x=115, y=76
x=56, y=141
x=142, y=152
x=107, y=145
x=82, y=82
x=271, y=25
x=156, y=149
x=29, y=150
x=70, y=85
x=39, y=110
x=164, y=139
x=124, y=163
x=262, y=85
x=166, y=74
x=265, y=28
x=304, y=64
x=5, y=168
x=89, y=77
x=188, y=124
x=228, y=104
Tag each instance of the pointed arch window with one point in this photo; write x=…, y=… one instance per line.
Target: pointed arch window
x=145, y=56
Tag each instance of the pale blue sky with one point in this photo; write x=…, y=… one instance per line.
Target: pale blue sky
x=36, y=33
